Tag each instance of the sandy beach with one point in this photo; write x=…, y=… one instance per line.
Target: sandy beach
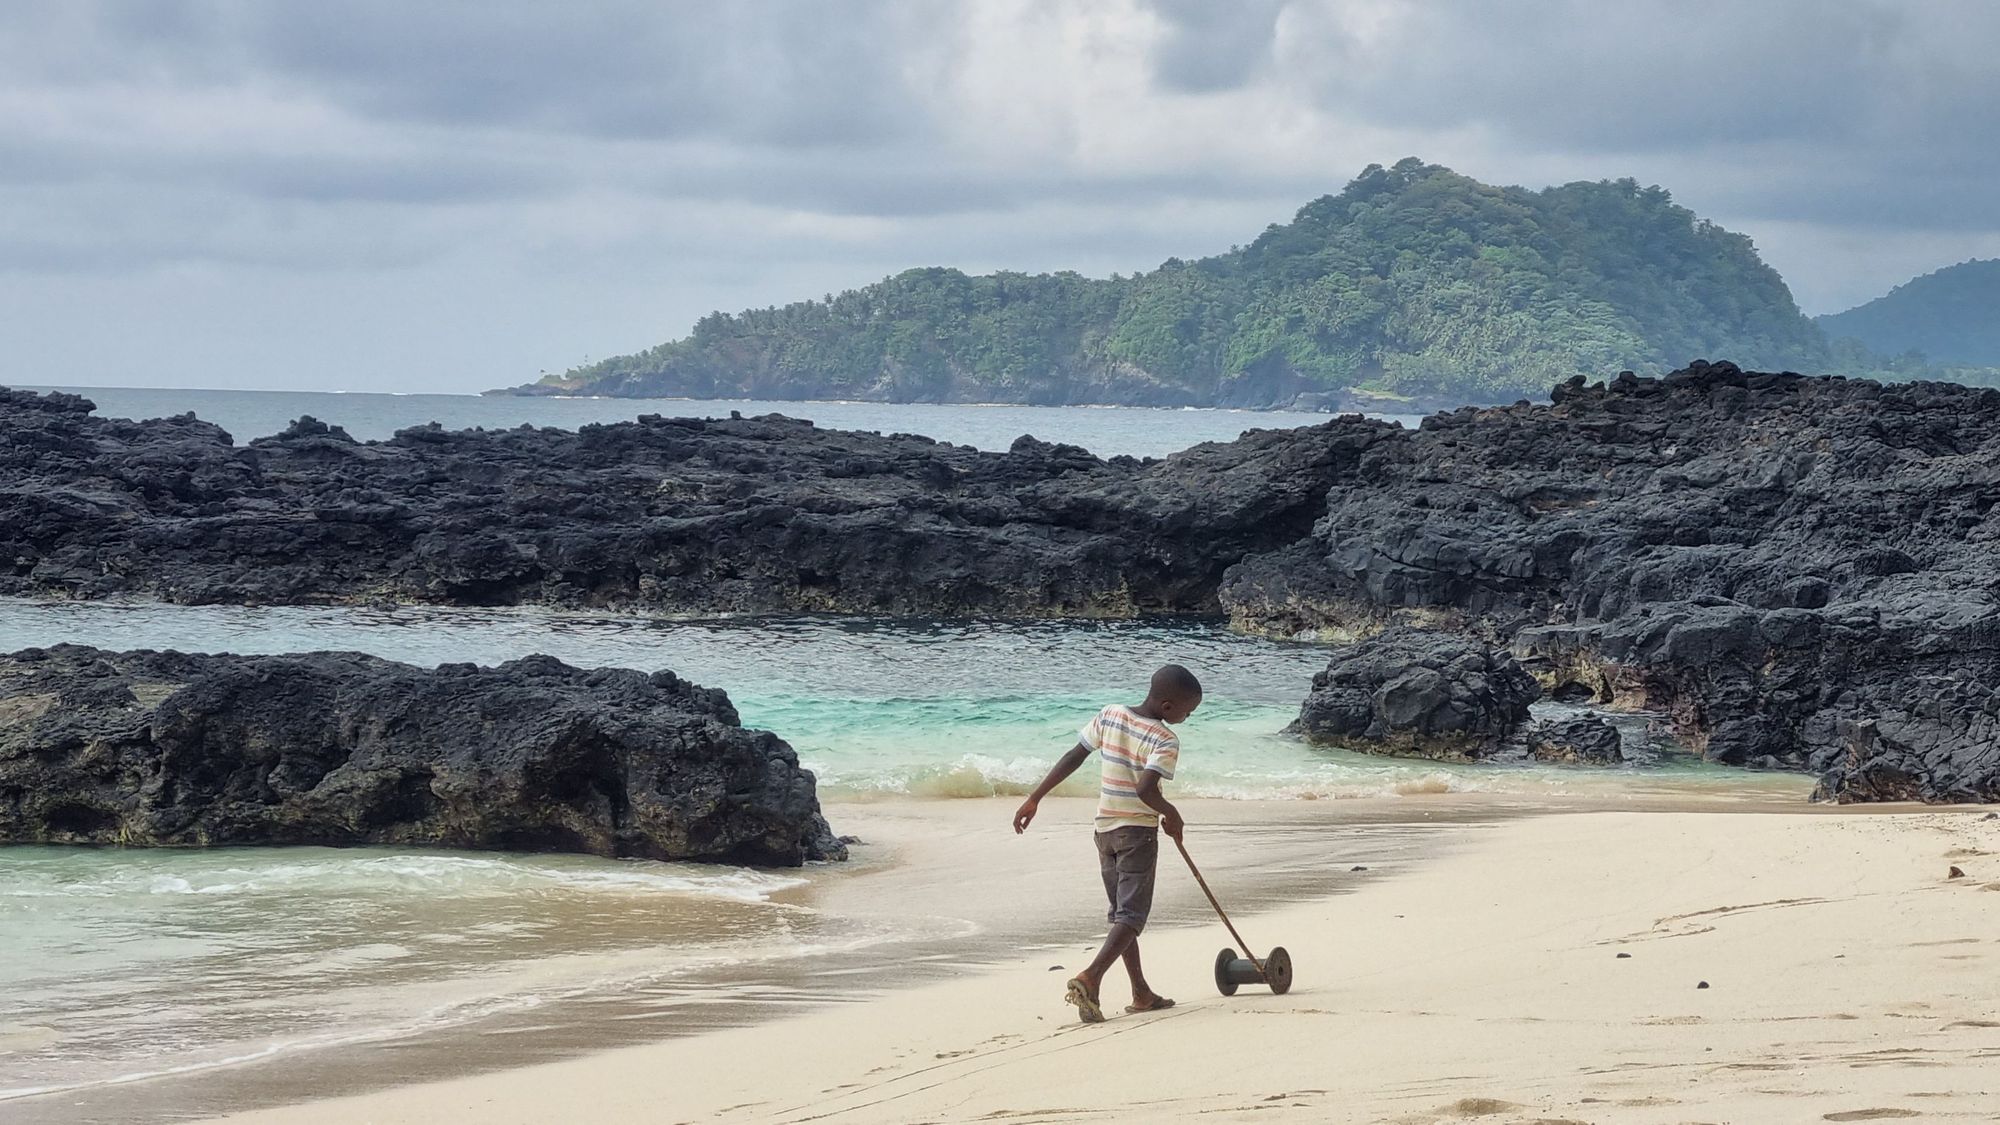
x=1540, y=969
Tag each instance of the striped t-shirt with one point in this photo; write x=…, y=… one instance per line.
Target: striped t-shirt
x=1127, y=745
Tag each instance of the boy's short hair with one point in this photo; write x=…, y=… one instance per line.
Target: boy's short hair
x=1173, y=681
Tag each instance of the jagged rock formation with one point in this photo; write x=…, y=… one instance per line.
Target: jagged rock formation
x=1575, y=740
x=1412, y=692
x=757, y=514
x=1770, y=559
x=1927, y=750
x=1445, y=696
x=165, y=748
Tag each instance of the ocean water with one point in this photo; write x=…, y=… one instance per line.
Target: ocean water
x=124, y=965
x=1107, y=431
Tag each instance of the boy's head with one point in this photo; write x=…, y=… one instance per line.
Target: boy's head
x=1174, y=693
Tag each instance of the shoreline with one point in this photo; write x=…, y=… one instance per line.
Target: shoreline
x=913, y=872
x=1848, y=978
x=941, y=859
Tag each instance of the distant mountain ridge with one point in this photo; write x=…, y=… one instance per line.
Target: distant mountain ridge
x=1413, y=281
x=1949, y=316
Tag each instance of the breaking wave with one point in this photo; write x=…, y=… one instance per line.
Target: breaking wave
x=458, y=876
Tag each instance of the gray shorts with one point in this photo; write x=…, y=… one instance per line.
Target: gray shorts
x=1127, y=857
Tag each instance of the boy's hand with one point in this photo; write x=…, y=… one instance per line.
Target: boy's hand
x=1172, y=824
x=1025, y=814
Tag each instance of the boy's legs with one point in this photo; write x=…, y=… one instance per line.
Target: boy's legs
x=1127, y=858
x=1122, y=941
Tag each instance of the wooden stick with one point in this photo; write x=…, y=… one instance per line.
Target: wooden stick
x=1227, y=924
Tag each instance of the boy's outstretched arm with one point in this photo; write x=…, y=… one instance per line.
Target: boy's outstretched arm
x=1149, y=792
x=1064, y=766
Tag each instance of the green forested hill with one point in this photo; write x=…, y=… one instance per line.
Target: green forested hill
x=1413, y=281
x=1950, y=317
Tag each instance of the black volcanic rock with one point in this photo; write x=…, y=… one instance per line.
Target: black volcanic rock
x=1577, y=740
x=1425, y=694
x=742, y=514
x=1770, y=559
x=1911, y=756
x=1883, y=706
x=1769, y=490
x=165, y=748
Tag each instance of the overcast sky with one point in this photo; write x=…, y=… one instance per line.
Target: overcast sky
x=453, y=196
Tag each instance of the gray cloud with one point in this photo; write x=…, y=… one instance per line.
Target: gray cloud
x=793, y=72
x=230, y=159
x=1603, y=77
x=1211, y=46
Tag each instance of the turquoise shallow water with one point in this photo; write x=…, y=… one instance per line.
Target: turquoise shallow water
x=946, y=709
x=123, y=964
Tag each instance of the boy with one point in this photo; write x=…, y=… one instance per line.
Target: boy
x=1136, y=751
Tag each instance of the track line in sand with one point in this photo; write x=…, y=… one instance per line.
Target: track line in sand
x=992, y=1060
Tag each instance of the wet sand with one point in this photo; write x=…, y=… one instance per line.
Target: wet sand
x=1849, y=979
x=947, y=879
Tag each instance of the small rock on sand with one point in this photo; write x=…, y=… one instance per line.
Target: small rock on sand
x=1954, y=873
x=1703, y=984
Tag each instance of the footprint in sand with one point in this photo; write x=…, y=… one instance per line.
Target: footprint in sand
x=1869, y=1114
x=1478, y=1107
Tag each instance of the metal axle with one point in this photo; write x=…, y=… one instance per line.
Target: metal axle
x=1231, y=971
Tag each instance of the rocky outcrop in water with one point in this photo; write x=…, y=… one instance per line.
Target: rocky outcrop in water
x=1417, y=693
x=166, y=748
x=1446, y=696
x=742, y=514
x=1575, y=740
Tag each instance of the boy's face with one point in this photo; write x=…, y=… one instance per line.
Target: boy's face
x=1175, y=710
